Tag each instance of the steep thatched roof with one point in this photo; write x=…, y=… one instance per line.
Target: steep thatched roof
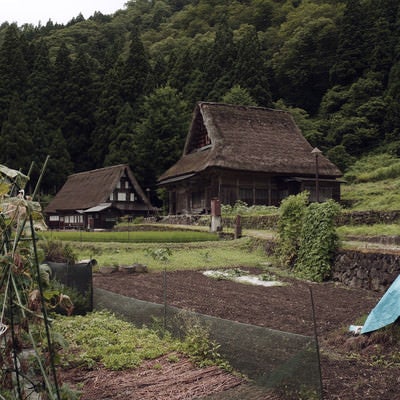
x=249, y=139
x=92, y=188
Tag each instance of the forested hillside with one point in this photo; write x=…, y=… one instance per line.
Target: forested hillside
x=121, y=88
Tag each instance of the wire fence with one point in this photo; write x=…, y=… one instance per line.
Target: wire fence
x=279, y=365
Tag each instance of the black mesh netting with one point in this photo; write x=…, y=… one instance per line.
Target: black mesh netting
x=274, y=361
x=77, y=277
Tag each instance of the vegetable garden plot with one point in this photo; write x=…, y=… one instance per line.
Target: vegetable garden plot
x=274, y=361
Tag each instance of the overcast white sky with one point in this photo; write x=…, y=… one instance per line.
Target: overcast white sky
x=59, y=11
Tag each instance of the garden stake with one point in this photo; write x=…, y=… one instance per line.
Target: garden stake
x=316, y=342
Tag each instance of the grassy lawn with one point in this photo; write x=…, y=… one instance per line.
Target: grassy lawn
x=196, y=255
x=174, y=236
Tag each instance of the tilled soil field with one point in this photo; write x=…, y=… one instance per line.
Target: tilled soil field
x=353, y=367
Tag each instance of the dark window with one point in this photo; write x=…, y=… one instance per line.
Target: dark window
x=246, y=195
x=261, y=196
x=197, y=200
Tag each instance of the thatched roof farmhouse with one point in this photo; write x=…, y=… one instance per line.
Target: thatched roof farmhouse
x=253, y=154
x=97, y=198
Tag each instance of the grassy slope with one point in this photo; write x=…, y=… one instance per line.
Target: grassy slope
x=373, y=183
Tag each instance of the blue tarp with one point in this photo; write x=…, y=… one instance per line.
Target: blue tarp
x=386, y=311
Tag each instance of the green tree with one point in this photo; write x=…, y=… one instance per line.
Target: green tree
x=49, y=142
x=309, y=41
x=340, y=157
x=16, y=138
x=62, y=71
x=382, y=36
x=219, y=73
x=197, y=87
x=78, y=125
x=135, y=71
x=392, y=117
x=59, y=164
x=122, y=147
x=40, y=100
x=13, y=69
x=238, y=95
x=161, y=131
x=310, y=127
x=357, y=125
x=351, y=55
x=109, y=105
x=263, y=12
x=250, y=70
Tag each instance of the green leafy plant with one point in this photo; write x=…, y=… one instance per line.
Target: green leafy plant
x=307, y=237
x=160, y=254
x=242, y=208
x=57, y=251
x=101, y=337
x=291, y=213
x=318, y=241
x=197, y=343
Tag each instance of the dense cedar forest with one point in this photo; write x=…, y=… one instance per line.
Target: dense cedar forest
x=121, y=88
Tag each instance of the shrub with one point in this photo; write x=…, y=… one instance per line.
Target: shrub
x=242, y=208
x=57, y=251
x=318, y=241
x=290, y=225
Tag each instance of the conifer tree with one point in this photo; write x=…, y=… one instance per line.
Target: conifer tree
x=161, y=132
x=109, y=105
x=40, y=101
x=62, y=70
x=59, y=165
x=16, y=138
x=351, y=52
x=78, y=125
x=13, y=69
x=122, y=147
x=239, y=96
x=249, y=68
x=219, y=72
x=134, y=71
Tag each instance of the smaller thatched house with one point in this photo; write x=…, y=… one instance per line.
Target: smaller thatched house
x=253, y=154
x=96, y=199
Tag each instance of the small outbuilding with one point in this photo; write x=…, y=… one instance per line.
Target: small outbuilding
x=97, y=199
x=253, y=154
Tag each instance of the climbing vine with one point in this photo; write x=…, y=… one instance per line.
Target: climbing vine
x=318, y=241
x=290, y=224
x=307, y=237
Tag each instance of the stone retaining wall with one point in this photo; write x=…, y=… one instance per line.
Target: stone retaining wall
x=247, y=222
x=271, y=221
x=370, y=270
x=369, y=217
x=366, y=270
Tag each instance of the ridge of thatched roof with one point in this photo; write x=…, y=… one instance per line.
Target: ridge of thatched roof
x=247, y=138
x=84, y=190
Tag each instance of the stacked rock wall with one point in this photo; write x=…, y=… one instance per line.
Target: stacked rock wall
x=367, y=270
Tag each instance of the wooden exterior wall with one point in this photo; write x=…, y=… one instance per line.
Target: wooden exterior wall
x=194, y=195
